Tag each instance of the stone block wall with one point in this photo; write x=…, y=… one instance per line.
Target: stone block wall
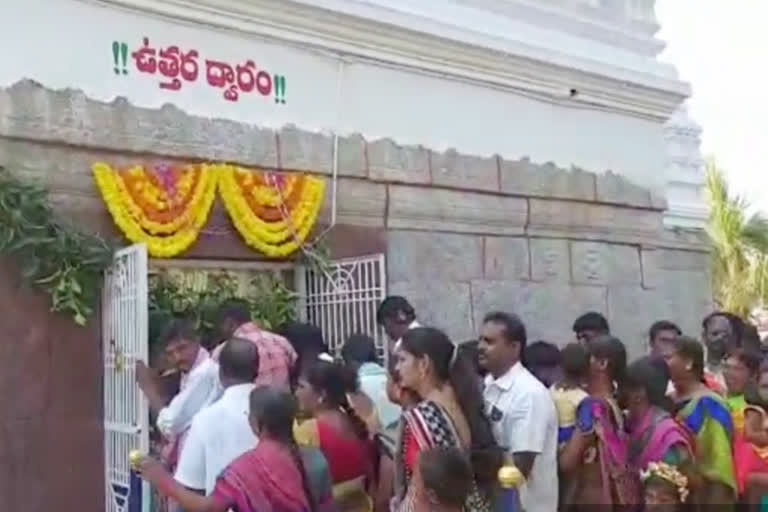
x=463, y=234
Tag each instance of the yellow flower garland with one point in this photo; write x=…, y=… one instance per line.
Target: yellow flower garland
x=180, y=233
x=276, y=239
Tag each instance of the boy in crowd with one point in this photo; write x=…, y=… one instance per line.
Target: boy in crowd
x=569, y=392
x=444, y=480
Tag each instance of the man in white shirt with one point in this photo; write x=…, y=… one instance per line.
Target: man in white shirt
x=521, y=410
x=199, y=381
x=396, y=316
x=222, y=432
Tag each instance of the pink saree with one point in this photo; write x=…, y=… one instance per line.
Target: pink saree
x=653, y=438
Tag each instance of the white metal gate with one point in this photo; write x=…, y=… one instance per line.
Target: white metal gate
x=124, y=337
x=343, y=299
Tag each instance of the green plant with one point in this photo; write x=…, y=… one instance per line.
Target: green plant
x=271, y=303
x=740, y=248
x=53, y=256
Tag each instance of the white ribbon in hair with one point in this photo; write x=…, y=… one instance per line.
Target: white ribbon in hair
x=325, y=356
x=454, y=355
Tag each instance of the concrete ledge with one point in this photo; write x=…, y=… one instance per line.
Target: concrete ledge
x=524, y=177
x=358, y=203
x=574, y=220
x=452, y=169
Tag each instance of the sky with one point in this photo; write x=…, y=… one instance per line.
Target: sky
x=721, y=48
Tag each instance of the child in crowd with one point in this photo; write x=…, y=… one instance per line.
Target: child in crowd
x=750, y=451
x=569, y=392
x=665, y=487
x=543, y=360
x=741, y=370
x=443, y=481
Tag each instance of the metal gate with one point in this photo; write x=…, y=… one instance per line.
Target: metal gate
x=124, y=338
x=343, y=298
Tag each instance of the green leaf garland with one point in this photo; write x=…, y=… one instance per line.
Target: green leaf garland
x=54, y=257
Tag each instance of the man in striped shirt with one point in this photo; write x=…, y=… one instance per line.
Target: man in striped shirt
x=276, y=355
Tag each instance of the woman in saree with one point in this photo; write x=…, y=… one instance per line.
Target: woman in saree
x=276, y=476
x=654, y=434
x=707, y=417
x=334, y=427
x=594, y=462
x=449, y=413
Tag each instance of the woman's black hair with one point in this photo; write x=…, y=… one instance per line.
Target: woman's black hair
x=612, y=350
x=274, y=411
x=456, y=369
x=334, y=381
x=649, y=374
x=471, y=350
x=690, y=349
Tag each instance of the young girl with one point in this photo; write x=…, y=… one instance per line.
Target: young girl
x=665, y=488
x=741, y=369
x=751, y=450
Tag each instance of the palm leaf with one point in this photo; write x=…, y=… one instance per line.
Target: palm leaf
x=740, y=247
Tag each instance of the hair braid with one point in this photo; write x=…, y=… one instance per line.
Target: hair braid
x=296, y=454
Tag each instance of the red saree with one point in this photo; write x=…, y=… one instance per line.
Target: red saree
x=265, y=479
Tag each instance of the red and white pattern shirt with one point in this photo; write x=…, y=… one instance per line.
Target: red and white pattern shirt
x=276, y=355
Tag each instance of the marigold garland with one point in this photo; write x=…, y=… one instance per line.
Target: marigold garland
x=164, y=210
x=274, y=213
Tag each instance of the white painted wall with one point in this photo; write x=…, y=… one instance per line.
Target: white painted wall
x=68, y=43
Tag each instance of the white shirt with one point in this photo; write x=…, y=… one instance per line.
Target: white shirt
x=219, y=434
x=373, y=382
x=524, y=419
x=412, y=325
x=199, y=388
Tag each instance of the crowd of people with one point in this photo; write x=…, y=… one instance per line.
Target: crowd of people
x=274, y=422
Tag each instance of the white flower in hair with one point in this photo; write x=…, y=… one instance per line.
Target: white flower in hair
x=325, y=356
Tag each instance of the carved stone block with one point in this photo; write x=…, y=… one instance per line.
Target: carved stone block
x=451, y=210
x=467, y=172
x=547, y=309
x=550, y=260
x=569, y=219
x=506, y=258
x=527, y=178
x=306, y=151
x=413, y=255
x=614, y=188
x=358, y=203
x=353, y=160
x=605, y=264
x=405, y=164
x=440, y=303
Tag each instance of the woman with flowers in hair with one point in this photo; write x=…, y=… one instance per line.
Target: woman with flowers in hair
x=665, y=487
x=706, y=415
